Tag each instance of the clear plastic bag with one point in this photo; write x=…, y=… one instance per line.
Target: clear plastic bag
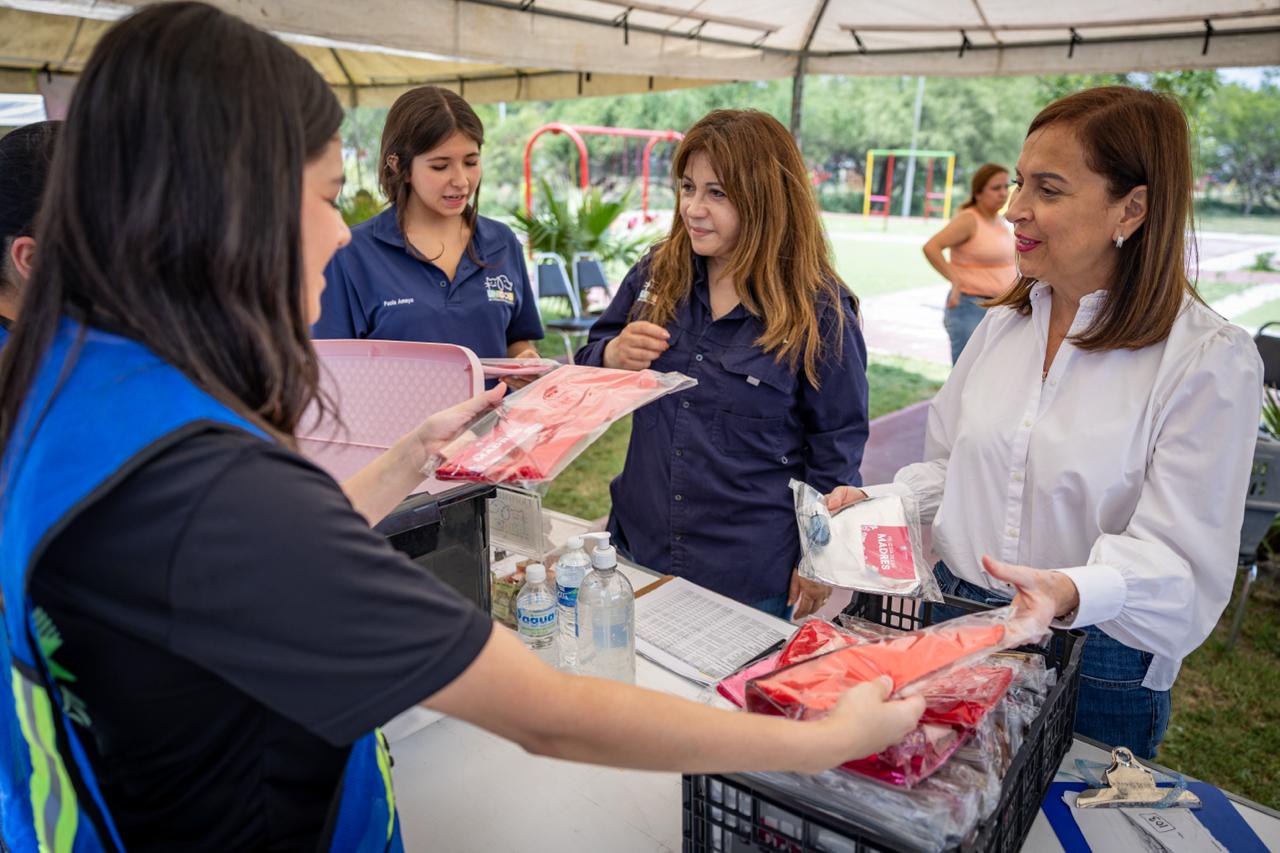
x=498, y=368
x=871, y=546
x=935, y=815
x=536, y=432
x=811, y=688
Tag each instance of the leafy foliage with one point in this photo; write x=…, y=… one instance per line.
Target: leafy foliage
x=580, y=222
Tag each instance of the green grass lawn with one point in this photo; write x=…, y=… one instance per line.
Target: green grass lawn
x=1238, y=224
x=1264, y=313
x=1225, y=727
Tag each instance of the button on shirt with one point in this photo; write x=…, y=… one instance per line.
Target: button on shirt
x=376, y=289
x=704, y=493
x=1126, y=469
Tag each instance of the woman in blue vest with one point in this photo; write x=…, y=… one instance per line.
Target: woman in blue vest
x=202, y=631
x=741, y=296
x=429, y=267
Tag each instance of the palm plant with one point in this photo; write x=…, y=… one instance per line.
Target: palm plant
x=581, y=222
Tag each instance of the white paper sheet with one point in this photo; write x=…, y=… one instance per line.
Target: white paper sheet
x=1175, y=830
x=700, y=635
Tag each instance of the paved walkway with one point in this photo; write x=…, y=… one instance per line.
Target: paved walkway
x=909, y=322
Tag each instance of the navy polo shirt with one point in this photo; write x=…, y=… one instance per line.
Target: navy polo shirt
x=376, y=289
x=704, y=493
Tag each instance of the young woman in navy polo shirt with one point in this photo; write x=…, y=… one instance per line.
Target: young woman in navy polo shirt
x=741, y=296
x=429, y=267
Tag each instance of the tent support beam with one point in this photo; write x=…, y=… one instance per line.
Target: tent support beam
x=802, y=67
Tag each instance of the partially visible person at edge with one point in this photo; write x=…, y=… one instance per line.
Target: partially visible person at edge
x=981, y=265
x=25, y=155
x=429, y=267
x=741, y=296
x=205, y=631
x=1101, y=424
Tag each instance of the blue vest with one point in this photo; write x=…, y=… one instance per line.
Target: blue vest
x=100, y=407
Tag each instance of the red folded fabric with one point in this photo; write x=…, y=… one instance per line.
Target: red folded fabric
x=539, y=430
x=955, y=703
x=813, y=687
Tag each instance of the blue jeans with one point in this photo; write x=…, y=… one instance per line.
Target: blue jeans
x=961, y=321
x=1114, y=707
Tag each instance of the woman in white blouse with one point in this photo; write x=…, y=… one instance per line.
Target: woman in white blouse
x=1100, y=425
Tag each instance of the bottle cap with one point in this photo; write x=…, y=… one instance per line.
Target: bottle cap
x=575, y=543
x=598, y=540
x=535, y=573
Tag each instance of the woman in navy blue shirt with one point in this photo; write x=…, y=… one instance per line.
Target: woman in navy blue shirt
x=741, y=296
x=429, y=268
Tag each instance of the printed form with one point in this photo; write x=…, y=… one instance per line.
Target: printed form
x=701, y=635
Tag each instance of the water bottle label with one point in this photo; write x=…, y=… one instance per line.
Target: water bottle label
x=536, y=623
x=568, y=596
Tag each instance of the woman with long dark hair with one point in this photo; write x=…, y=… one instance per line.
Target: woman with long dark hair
x=430, y=267
x=742, y=296
x=204, y=632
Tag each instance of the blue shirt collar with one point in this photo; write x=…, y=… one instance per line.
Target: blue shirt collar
x=488, y=238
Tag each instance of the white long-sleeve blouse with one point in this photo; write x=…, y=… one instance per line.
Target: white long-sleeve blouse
x=1125, y=469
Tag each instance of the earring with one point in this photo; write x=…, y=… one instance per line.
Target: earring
x=1119, y=241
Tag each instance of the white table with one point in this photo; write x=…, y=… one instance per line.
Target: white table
x=462, y=789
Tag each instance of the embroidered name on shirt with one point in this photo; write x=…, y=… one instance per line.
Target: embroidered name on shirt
x=391, y=303
x=500, y=289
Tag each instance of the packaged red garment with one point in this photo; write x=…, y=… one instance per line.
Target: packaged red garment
x=498, y=368
x=536, y=432
x=811, y=688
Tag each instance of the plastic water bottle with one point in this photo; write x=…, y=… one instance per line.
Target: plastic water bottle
x=536, y=614
x=607, y=620
x=570, y=570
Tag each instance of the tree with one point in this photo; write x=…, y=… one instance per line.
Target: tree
x=1243, y=142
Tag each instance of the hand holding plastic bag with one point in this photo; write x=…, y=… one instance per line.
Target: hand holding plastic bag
x=873, y=545
x=536, y=432
x=809, y=689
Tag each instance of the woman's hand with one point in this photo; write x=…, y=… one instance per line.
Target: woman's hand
x=807, y=596
x=1043, y=595
x=864, y=722
x=636, y=346
x=521, y=349
x=444, y=426
x=843, y=496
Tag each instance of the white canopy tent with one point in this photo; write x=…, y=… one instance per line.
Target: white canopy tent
x=493, y=50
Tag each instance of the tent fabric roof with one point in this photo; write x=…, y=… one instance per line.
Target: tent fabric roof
x=545, y=49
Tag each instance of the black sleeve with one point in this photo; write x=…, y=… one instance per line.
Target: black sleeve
x=279, y=587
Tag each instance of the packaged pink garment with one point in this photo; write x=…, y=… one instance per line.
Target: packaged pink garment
x=536, y=432
x=957, y=701
x=812, y=687
x=497, y=368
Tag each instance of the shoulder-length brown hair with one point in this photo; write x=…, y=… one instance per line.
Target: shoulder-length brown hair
x=781, y=266
x=418, y=121
x=184, y=233
x=1132, y=138
x=981, y=178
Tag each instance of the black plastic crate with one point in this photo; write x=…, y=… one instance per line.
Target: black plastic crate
x=731, y=813
x=448, y=535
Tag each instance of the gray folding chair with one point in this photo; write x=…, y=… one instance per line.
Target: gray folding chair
x=553, y=282
x=1262, y=503
x=588, y=275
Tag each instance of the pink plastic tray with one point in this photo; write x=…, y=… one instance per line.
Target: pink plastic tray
x=382, y=389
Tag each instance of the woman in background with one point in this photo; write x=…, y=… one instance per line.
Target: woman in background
x=981, y=265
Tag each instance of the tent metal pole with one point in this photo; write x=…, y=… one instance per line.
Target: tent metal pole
x=802, y=67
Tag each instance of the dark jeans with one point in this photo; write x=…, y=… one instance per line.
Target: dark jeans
x=775, y=606
x=961, y=321
x=1114, y=707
